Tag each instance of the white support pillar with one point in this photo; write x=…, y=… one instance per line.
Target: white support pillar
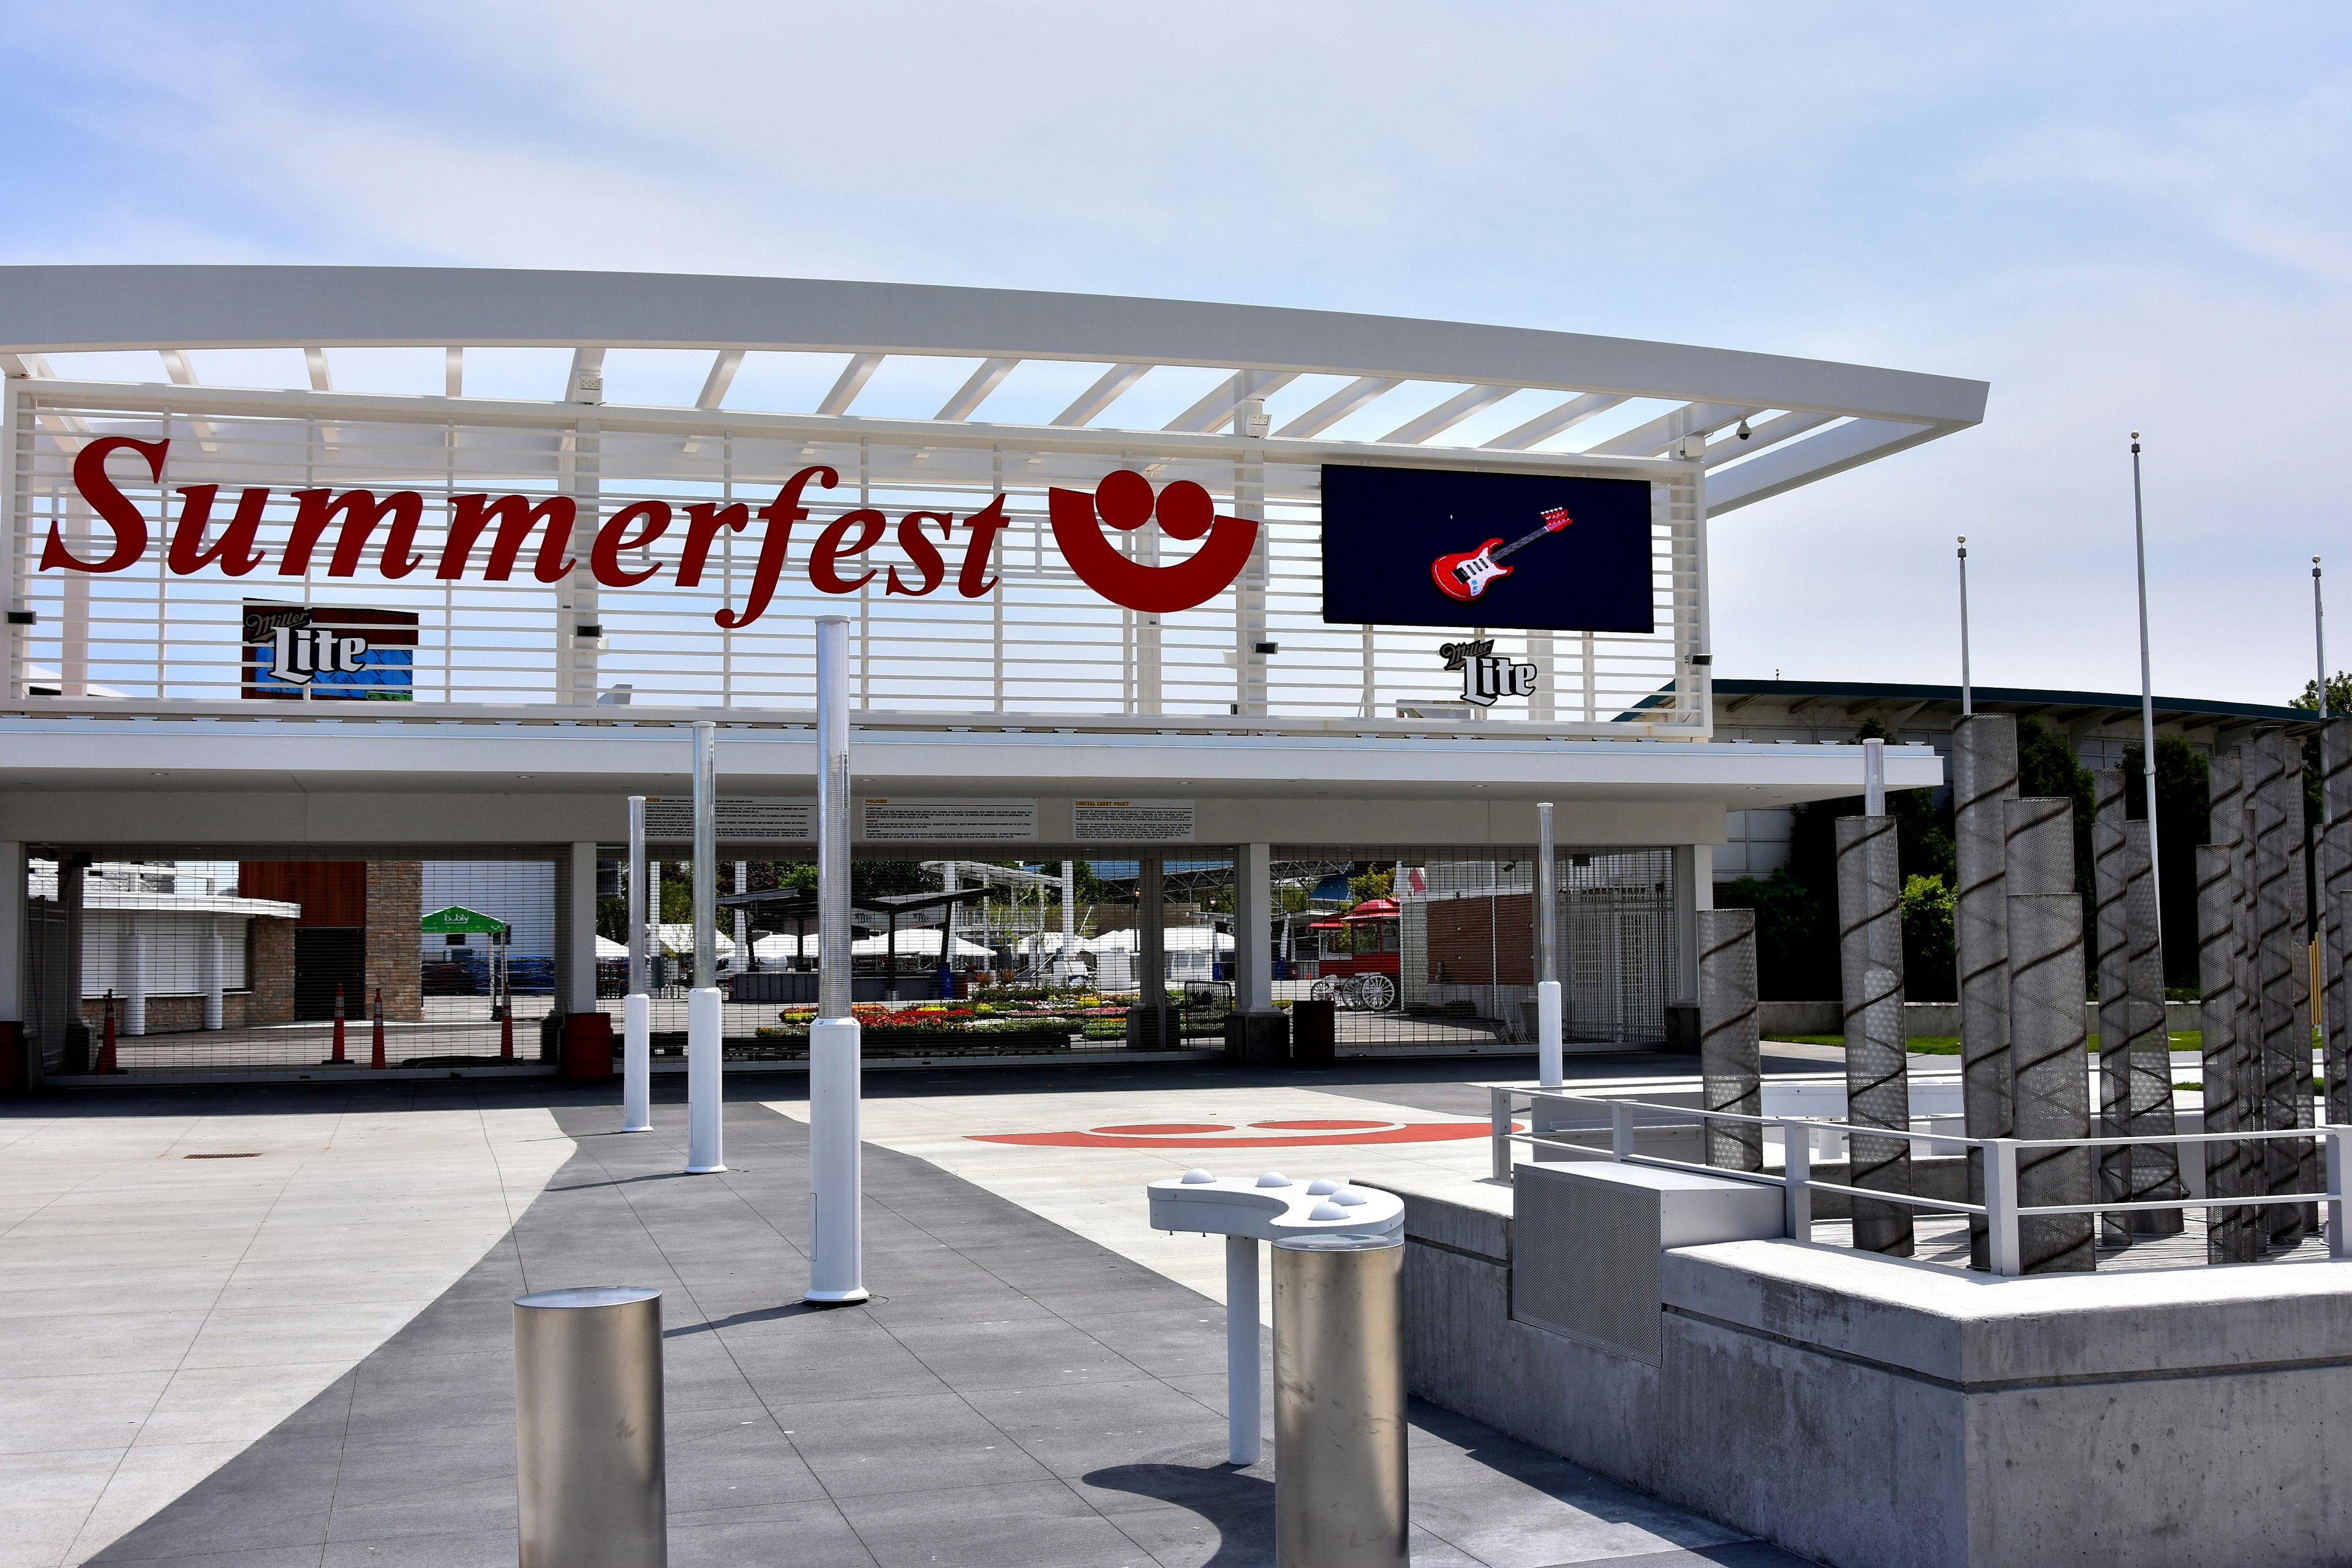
x=742, y=933
x=209, y=961
x=11, y=932
x=1693, y=889
x=1151, y=950
x=580, y=933
x=130, y=968
x=636, y=1008
x=1253, y=928
x=837, y=1167
x=1243, y=1421
x=1066, y=962
x=706, y=1107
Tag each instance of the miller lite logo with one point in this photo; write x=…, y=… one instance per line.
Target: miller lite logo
x=307, y=651
x=1485, y=676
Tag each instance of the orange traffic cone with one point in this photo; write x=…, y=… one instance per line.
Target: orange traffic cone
x=339, y=1026
x=106, y=1037
x=375, y=1057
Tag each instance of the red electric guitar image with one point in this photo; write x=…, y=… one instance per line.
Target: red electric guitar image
x=1467, y=575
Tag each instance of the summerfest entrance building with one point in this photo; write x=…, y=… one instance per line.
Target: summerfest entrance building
x=1201, y=593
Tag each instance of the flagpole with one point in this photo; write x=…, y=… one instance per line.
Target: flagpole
x=1967, y=699
x=2319, y=640
x=2146, y=701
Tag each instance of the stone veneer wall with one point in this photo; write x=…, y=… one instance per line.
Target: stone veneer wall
x=269, y=971
x=396, y=959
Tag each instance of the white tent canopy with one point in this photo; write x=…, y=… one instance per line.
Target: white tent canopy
x=916, y=943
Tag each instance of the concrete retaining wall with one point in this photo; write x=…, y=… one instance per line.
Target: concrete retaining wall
x=1879, y=1414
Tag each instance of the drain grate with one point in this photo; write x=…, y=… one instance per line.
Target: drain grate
x=250, y=1154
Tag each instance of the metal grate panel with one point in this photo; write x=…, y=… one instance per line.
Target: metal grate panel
x=1584, y=1261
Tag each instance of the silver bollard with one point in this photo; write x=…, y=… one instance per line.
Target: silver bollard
x=589, y=1476
x=1339, y=1489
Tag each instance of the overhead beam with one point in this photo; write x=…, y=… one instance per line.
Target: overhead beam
x=854, y=377
x=723, y=368
x=1544, y=426
x=975, y=390
x=1690, y=419
x=1100, y=395
x=586, y=382
x=1794, y=463
x=314, y=360
x=54, y=308
x=1218, y=407
x=1771, y=433
x=1358, y=393
x=183, y=374
x=1447, y=415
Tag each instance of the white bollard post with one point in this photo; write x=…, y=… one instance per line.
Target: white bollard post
x=705, y=1072
x=636, y=1008
x=1548, y=1019
x=836, y=1262
x=1243, y=1420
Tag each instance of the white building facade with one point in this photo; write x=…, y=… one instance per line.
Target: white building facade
x=1093, y=581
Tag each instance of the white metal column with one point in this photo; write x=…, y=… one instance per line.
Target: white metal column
x=706, y=1090
x=580, y=933
x=1243, y=1365
x=1253, y=928
x=12, y=933
x=636, y=1007
x=837, y=1174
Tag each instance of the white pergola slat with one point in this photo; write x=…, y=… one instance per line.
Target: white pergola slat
x=169, y=311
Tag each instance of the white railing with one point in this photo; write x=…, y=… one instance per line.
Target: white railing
x=2000, y=1211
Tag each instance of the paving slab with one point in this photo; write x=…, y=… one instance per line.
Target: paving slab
x=1016, y=1393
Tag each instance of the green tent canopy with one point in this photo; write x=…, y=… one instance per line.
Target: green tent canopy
x=458, y=918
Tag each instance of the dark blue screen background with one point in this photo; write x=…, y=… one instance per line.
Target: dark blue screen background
x=1384, y=527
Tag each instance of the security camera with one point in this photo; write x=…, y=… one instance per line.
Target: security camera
x=1744, y=431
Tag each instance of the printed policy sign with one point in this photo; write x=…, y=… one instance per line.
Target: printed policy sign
x=1133, y=821
x=750, y=819
x=328, y=653
x=887, y=820
x=1428, y=547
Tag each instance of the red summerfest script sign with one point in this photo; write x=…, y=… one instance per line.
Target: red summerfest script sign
x=1123, y=500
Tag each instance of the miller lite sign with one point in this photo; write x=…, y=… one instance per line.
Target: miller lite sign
x=328, y=653
x=1486, y=676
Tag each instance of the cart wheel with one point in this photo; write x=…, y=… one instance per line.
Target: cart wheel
x=1379, y=993
x=1320, y=992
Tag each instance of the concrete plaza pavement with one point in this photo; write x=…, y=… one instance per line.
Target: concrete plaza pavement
x=1018, y=1393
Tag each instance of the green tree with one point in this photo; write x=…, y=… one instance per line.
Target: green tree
x=1796, y=907
x=1927, y=950
x=1792, y=964
x=2183, y=815
x=1377, y=883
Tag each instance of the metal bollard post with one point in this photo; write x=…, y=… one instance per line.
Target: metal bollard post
x=1340, y=1488
x=1621, y=1132
x=589, y=1476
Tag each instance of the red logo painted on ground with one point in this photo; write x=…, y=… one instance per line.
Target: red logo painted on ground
x=1255, y=1135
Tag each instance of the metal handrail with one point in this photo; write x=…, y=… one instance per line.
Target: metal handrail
x=2001, y=1210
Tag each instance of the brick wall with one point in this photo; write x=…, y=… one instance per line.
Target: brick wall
x=396, y=958
x=270, y=971
x=1482, y=940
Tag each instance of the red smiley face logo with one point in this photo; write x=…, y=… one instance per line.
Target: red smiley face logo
x=1124, y=500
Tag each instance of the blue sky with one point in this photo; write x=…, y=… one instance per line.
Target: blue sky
x=2122, y=217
